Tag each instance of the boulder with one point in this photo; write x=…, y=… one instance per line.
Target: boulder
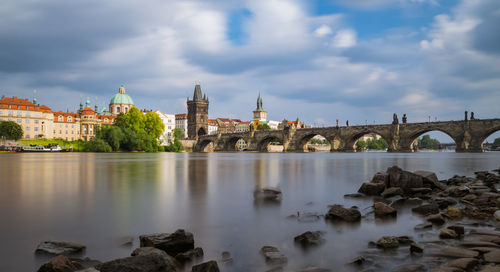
x=479, y=244
x=410, y=268
x=309, y=238
x=190, y=255
x=372, y=189
x=448, y=234
x=267, y=193
x=489, y=268
x=452, y=252
x=58, y=264
x=337, y=212
x=273, y=255
x=444, y=202
x=210, y=266
x=458, y=191
x=435, y=219
x=226, y=258
x=492, y=256
x=59, y=247
x=387, y=242
x=426, y=209
x=431, y=179
x=175, y=243
x=497, y=215
x=453, y=213
x=381, y=178
x=423, y=226
x=460, y=230
x=404, y=240
x=392, y=191
x=416, y=248
x=383, y=210
x=404, y=179
x=148, y=260
x=358, y=260
x=464, y=263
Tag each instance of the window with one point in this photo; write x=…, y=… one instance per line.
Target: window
x=60, y=131
x=1, y=119
x=27, y=121
x=36, y=136
x=60, y=125
x=36, y=128
x=1, y=112
x=118, y=109
x=59, y=119
x=27, y=128
x=19, y=114
x=69, y=118
x=66, y=133
x=126, y=109
x=66, y=125
x=10, y=113
x=36, y=121
x=54, y=131
x=27, y=136
x=19, y=121
x=28, y=114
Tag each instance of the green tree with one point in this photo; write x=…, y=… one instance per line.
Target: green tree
x=133, y=119
x=427, y=142
x=496, y=143
x=98, y=145
x=153, y=125
x=178, y=133
x=11, y=130
x=176, y=146
x=113, y=135
x=361, y=145
x=263, y=127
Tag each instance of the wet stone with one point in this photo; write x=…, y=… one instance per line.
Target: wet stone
x=460, y=230
x=423, y=226
x=309, y=238
x=436, y=219
x=452, y=252
x=358, y=260
x=464, y=263
x=448, y=234
x=273, y=256
x=410, y=268
x=492, y=256
x=337, y=212
x=174, y=243
x=58, y=264
x=416, y=248
x=426, y=209
x=384, y=210
x=59, y=247
x=387, y=242
x=210, y=266
x=190, y=255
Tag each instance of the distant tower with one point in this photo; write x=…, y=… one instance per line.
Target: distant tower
x=197, y=114
x=121, y=102
x=259, y=114
x=34, y=97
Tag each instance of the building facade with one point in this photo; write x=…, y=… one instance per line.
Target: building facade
x=170, y=123
x=212, y=127
x=197, y=114
x=181, y=121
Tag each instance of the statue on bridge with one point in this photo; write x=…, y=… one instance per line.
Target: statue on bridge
x=337, y=123
x=404, y=118
x=347, y=123
x=472, y=115
x=465, y=116
x=395, y=120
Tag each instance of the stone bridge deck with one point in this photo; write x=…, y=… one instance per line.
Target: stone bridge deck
x=468, y=136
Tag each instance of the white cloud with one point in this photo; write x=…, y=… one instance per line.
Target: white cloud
x=344, y=38
x=322, y=31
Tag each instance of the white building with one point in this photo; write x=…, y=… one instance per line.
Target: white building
x=273, y=124
x=213, y=127
x=181, y=121
x=169, y=120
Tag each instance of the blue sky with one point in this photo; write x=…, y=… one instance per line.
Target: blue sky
x=356, y=60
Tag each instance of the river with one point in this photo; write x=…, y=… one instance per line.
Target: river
x=98, y=199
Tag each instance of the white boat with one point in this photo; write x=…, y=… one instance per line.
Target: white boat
x=41, y=148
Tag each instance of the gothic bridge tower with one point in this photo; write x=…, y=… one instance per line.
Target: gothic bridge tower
x=197, y=114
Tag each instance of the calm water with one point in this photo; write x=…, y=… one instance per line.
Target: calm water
x=97, y=199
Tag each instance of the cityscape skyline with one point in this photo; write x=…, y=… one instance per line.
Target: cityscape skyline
x=317, y=60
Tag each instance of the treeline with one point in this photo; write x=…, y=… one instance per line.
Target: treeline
x=375, y=144
x=133, y=131
x=426, y=142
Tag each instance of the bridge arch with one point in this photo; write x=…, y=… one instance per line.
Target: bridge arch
x=234, y=143
x=349, y=142
x=263, y=144
x=487, y=134
x=411, y=143
x=303, y=143
x=206, y=145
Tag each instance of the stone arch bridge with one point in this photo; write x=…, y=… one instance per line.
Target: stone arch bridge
x=468, y=135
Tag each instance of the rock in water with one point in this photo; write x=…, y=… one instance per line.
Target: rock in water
x=466, y=264
x=383, y=210
x=447, y=234
x=58, y=264
x=416, y=248
x=309, y=238
x=381, y=178
x=393, y=191
x=358, y=260
x=147, y=260
x=372, y=189
x=453, y=213
x=273, y=255
x=175, y=243
x=267, y=193
x=190, y=255
x=410, y=268
x=337, y=212
x=59, y=248
x=387, y=242
x=430, y=178
x=497, y=215
x=460, y=230
x=210, y=266
x=436, y=219
x=426, y=209
x=404, y=179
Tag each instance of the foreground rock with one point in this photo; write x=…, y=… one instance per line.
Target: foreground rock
x=372, y=189
x=383, y=210
x=273, y=255
x=464, y=263
x=210, y=266
x=410, y=268
x=173, y=244
x=309, y=238
x=388, y=242
x=451, y=252
x=426, y=209
x=190, y=255
x=58, y=264
x=337, y=212
x=59, y=248
x=267, y=193
x=144, y=260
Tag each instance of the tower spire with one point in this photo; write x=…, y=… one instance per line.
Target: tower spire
x=34, y=96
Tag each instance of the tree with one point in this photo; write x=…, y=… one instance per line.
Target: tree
x=263, y=127
x=178, y=133
x=361, y=144
x=133, y=120
x=11, y=130
x=153, y=125
x=98, y=145
x=113, y=135
x=176, y=146
x=427, y=142
x=496, y=143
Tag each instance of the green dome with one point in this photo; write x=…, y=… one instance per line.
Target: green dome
x=121, y=98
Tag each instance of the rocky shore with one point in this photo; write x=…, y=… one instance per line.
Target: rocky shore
x=459, y=231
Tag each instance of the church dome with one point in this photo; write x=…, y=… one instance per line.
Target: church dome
x=121, y=98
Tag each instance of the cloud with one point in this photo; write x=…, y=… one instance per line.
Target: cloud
x=344, y=38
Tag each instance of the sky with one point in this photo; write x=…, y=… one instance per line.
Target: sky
x=318, y=60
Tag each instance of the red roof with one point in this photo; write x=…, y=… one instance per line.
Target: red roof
x=65, y=116
x=88, y=110
x=181, y=116
x=21, y=104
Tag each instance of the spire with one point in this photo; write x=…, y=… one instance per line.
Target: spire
x=197, y=93
x=121, y=89
x=87, y=103
x=34, y=96
x=259, y=104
